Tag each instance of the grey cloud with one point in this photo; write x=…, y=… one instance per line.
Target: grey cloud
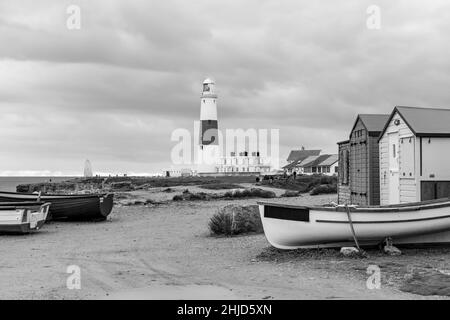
x=118, y=87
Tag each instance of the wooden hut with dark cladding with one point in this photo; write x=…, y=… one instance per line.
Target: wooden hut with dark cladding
x=362, y=175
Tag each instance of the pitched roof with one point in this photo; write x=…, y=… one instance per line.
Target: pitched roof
x=300, y=162
x=316, y=161
x=374, y=123
x=302, y=154
x=332, y=159
x=291, y=165
x=424, y=121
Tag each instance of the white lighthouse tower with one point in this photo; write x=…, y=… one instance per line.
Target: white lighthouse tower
x=209, y=152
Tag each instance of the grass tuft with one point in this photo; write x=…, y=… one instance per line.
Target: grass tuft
x=323, y=189
x=233, y=220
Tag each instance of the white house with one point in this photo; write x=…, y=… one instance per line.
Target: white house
x=297, y=158
x=326, y=164
x=244, y=162
x=415, y=155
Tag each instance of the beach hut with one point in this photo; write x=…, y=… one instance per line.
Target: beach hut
x=415, y=155
x=361, y=165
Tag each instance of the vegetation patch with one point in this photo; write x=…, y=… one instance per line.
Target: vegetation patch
x=302, y=183
x=250, y=193
x=229, y=195
x=233, y=220
x=220, y=186
x=291, y=193
x=323, y=189
x=429, y=283
x=188, y=196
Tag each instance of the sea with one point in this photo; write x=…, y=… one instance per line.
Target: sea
x=9, y=183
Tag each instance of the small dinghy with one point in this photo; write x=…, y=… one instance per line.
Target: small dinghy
x=292, y=226
x=22, y=217
x=68, y=207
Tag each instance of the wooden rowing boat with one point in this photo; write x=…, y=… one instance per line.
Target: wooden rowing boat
x=68, y=207
x=292, y=226
x=22, y=217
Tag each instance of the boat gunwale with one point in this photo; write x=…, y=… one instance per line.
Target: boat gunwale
x=407, y=207
x=21, y=203
x=47, y=195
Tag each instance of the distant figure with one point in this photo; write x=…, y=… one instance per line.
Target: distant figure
x=88, y=169
x=295, y=174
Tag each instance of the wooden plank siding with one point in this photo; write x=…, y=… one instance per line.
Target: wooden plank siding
x=374, y=171
x=407, y=185
x=359, y=168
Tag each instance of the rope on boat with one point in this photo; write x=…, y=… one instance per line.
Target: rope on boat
x=351, y=226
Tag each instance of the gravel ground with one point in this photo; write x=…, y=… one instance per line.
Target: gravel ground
x=166, y=251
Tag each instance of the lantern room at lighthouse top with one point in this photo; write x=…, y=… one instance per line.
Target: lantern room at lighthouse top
x=209, y=88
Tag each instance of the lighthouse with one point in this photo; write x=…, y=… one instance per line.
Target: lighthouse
x=208, y=153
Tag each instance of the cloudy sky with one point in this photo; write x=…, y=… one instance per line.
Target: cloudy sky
x=114, y=91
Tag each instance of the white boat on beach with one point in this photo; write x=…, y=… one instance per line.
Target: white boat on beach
x=292, y=226
x=22, y=217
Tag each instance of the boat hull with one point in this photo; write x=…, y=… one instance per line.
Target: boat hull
x=22, y=218
x=291, y=227
x=23, y=228
x=69, y=207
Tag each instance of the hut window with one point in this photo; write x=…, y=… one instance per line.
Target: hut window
x=344, y=167
x=393, y=151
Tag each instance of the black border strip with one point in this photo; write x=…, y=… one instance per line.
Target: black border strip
x=283, y=213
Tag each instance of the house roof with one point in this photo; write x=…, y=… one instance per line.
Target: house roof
x=300, y=162
x=316, y=161
x=428, y=122
x=332, y=159
x=291, y=165
x=374, y=123
x=307, y=160
x=302, y=154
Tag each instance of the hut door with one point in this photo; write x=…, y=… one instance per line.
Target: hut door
x=394, y=183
